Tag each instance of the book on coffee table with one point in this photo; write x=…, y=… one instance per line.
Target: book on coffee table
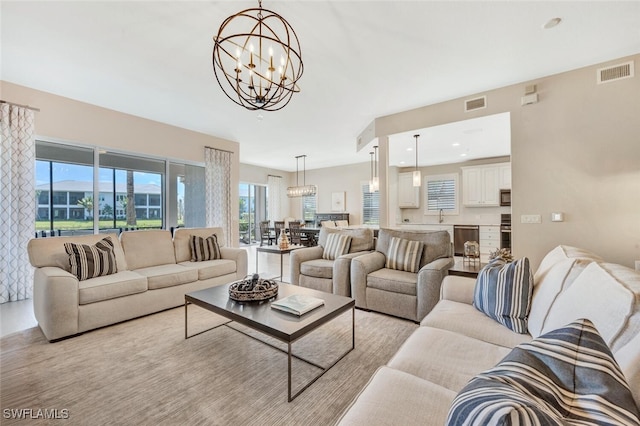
x=297, y=304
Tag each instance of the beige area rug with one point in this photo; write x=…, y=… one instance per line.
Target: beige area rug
x=143, y=372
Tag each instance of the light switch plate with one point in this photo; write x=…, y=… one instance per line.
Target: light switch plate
x=530, y=218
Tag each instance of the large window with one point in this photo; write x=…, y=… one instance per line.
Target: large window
x=309, y=208
x=441, y=193
x=130, y=192
x=370, y=205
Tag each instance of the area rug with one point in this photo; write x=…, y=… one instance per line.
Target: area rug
x=143, y=372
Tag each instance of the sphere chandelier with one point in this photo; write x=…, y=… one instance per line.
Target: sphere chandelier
x=257, y=59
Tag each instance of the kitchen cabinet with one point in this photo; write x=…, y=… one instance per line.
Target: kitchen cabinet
x=481, y=184
x=408, y=195
x=489, y=241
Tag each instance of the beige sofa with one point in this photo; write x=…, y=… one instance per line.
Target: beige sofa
x=309, y=269
x=455, y=341
x=154, y=272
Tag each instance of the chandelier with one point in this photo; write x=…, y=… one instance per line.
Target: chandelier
x=257, y=59
x=304, y=190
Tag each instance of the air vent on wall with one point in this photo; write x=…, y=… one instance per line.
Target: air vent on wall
x=474, y=104
x=615, y=72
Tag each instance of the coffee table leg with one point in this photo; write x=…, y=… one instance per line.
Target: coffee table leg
x=289, y=373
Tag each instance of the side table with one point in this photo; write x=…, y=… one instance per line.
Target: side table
x=276, y=250
x=466, y=269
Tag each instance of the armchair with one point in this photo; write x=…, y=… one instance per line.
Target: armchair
x=402, y=277
x=310, y=268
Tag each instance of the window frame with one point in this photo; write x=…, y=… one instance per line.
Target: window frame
x=364, y=192
x=455, y=177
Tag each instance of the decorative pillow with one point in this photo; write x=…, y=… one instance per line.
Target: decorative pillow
x=204, y=248
x=90, y=261
x=566, y=376
x=404, y=255
x=503, y=292
x=336, y=245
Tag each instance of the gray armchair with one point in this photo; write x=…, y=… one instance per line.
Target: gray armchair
x=397, y=292
x=309, y=269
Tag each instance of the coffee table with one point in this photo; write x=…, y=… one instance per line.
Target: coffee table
x=285, y=327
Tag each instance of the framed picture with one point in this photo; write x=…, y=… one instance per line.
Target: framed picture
x=337, y=201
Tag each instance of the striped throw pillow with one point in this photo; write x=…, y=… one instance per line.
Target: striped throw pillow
x=566, y=376
x=90, y=261
x=336, y=245
x=503, y=292
x=204, y=248
x=404, y=255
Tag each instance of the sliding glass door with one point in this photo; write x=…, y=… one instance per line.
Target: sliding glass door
x=253, y=209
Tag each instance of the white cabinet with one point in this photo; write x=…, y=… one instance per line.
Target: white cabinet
x=408, y=195
x=489, y=241
x=504, y=179
x=481, y=184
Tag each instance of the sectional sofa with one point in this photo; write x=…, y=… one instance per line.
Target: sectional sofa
x=152, y=272
x=456, y=342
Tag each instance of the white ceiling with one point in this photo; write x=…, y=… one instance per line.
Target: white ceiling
x=362, y=60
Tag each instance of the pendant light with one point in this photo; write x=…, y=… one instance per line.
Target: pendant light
x=304, y=190
x=371, y=172
x=375, y=180
x=417, y=178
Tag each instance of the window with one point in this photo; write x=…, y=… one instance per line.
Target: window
x=309, y=208
x=441, y=192
x=370, y=205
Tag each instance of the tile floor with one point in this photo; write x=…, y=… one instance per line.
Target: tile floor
x=17, y=316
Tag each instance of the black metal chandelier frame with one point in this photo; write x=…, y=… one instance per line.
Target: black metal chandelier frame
x=248, y=76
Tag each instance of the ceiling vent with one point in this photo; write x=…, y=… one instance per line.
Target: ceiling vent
x=474, y=104
x=615, y=72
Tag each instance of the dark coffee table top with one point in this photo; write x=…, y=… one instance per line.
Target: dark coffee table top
x=260, y=316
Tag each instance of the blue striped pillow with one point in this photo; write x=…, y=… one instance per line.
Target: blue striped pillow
x=336, y=245
x=566, y=376
x=503, y=292
x=404, y=255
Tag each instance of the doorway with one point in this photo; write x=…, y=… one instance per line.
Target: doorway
x=252, y=210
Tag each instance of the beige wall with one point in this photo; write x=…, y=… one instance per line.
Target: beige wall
x=576, y=151
x=64, y=119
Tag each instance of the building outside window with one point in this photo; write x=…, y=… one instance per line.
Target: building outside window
x=370, y=205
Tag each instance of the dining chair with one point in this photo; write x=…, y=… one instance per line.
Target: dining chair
x=265, y=233
x=279, y=227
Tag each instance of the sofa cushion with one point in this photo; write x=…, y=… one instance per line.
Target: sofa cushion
x=108, y=287
x=503, y=292
x=361, y=238
x=404, y=255
x=560, y=253
x=162, y=276
x=445, y=358
x=147, y=248
x=557, y=278
x=319, y=268
x=211, y=268
x=204, y=248
x=182, y=236
x=618, y=286
x=91, y=260
x=394, y=397
x=464, y=319
x=567, y=376
x=393, y=281
x=51, y=252
x=335, y=246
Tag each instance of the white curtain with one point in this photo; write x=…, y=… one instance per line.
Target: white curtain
x=275, y=189
x=17, y=201
x=218, y=190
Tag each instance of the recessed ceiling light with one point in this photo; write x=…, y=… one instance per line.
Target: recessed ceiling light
x=409, y=149
x=455, y=144
x=402, y=162
x=552, y=23
x=464, y=154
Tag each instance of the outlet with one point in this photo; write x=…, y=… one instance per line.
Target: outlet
x=530, y=218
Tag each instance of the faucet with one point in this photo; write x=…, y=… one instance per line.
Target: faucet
x=441, y=219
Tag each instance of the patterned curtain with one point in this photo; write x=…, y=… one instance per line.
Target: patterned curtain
x=275, y=189
x=17, y=201
x=218, y=190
